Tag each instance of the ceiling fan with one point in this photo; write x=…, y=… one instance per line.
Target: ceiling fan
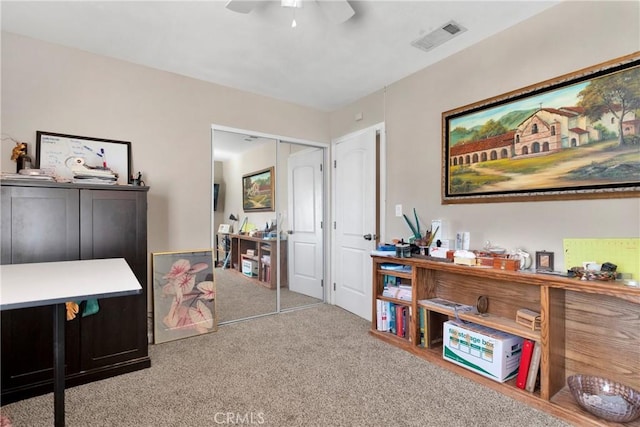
x=336, y=11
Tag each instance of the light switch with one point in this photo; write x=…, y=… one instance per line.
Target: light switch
x=398, y=210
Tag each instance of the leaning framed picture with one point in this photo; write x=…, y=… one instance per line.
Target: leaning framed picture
x=60, y=155
x=184, y=294
x=573, y=137
x=258, y=191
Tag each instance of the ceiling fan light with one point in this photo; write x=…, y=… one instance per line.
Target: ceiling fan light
x=291, y=3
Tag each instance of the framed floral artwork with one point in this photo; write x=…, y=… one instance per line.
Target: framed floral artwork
x=184, y=294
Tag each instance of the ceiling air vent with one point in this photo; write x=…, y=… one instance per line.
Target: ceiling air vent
x=439, y=36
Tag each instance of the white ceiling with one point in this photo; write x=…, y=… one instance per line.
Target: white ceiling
x=317, y=64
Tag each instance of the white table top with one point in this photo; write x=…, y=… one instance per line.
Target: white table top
x=48, y=283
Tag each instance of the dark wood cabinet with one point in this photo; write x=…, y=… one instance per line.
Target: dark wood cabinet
x=43, y=222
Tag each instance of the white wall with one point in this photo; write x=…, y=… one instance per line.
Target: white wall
x=166, y=117
x=563, y=39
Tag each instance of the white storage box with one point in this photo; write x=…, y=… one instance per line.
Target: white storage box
x=491, y=353
x=249, y=267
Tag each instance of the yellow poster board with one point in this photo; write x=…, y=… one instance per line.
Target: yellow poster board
x=625, y=253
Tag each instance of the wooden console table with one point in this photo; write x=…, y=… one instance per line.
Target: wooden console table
x=55, y=283
x=587, y=327
x=240, y=244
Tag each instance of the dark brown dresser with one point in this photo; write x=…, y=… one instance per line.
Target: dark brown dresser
x=47, y=221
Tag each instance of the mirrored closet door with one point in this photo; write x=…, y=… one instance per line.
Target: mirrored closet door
x=267, y=225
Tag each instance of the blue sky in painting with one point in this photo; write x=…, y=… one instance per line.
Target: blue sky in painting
x=565, y=97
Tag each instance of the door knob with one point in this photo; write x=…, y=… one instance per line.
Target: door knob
x=370, y=236
x=289, y=231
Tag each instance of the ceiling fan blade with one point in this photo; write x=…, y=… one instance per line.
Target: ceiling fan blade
x=336, y=11
x=241, y=6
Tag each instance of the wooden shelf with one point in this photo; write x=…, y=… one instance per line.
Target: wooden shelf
x=586, y=327
x=395, y=300
x=490, y=320
x=240, y=243
x=395, y=273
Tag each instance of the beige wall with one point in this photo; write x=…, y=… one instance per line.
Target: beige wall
x=166, y=117
x=168, y=120
x=568, y=37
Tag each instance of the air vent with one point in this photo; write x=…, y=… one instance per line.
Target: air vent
x=439, y=36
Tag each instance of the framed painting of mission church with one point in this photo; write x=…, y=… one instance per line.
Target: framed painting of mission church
x=573, y=137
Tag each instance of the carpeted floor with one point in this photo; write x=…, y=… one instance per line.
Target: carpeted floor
x=311, y=367
x=240, y=297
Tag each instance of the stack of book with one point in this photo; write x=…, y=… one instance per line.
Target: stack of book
x=529, y=365
x=393, y=318
x=402, y=292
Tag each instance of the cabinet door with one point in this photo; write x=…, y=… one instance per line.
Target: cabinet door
x=38, y=225
x=113, y=224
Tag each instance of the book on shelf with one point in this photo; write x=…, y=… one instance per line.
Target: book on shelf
x=391, y=280
x=525, y=361
x=534, y=367
x=399, y=321
x=385, y=314
x=402, y=292
x=405, y=322
x=391, y=317
x=379, y=314
x=446, y=304
x=396, y=267
x=422, y=314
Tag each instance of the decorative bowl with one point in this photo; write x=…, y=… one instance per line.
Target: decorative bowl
x=604, y=398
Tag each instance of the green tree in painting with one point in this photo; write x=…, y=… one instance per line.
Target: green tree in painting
x=617, y=94
x=489, y=129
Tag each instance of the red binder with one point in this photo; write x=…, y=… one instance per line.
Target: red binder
x=525, y=360
x=399, y=321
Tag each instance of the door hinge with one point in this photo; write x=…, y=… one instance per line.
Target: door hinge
x=334, y=286
x=334, y=225
x=335, y=164
x=322, y=283
x=321, y=225
x=320, y=167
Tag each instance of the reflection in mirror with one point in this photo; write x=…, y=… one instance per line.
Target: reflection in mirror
x=243, y=278
x=265, y=231
x=300, y=213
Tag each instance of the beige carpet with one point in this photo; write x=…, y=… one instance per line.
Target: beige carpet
x=240, y=297
x=311, y=367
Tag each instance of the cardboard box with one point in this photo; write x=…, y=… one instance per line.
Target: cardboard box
x=249, y=267
x=491, y=353
x=506, y=264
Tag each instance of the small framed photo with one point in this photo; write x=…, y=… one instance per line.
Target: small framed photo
x=544, y=261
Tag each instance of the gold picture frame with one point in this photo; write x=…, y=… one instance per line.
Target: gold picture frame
x=573, y=137
x=184, y=294
x=258, y=191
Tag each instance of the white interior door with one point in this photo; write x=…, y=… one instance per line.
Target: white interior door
x=305, y=246
x=355, y=220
